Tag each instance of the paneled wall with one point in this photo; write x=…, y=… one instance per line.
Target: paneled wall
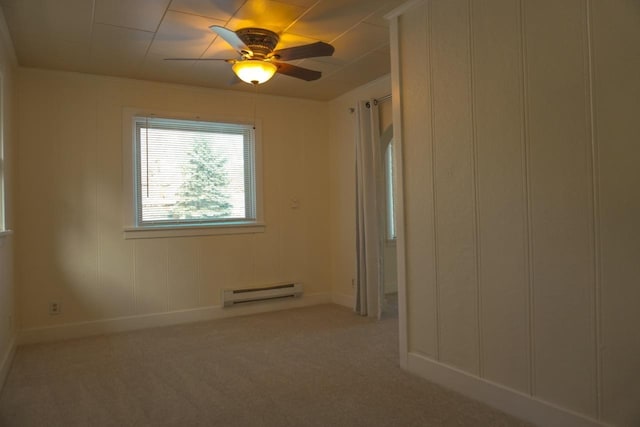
x=7, y=169
x=520, y=147
x=70, y=245
x=7, y=291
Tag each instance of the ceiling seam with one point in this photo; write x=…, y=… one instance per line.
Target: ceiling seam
x=124, y=27
x=155, y=33
x=225, y=25
x=295, y=21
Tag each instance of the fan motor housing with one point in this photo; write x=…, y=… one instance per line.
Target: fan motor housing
x=261, y=42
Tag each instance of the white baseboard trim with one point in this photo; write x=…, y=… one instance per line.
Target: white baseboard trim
x=344, y=300
x=7, y=358
x=520, y=405
x=129, y=323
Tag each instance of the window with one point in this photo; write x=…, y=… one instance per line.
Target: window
x=190, y=174
x=390, y=192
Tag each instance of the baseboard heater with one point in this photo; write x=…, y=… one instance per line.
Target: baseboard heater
x=232, y=297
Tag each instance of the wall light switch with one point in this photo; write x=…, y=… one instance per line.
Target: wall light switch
x=54, y=308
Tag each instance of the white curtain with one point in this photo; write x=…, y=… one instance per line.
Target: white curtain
x=369, y=214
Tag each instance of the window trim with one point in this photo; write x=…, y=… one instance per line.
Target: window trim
x=389, y=192
x=4, y=231
x=132, y=230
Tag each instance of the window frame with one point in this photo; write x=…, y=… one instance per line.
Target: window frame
x=388, y=170
x=4, y=230
x=133, y=230
x=390, y=190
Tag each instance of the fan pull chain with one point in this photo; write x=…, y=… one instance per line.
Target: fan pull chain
x=255, y=100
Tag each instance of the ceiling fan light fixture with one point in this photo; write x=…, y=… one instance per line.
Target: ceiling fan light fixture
x=254, y=71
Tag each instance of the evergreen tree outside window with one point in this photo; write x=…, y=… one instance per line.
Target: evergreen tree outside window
x=194, y=173
x=204, y=192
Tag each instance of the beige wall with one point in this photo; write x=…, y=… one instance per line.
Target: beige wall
x=342, y=183
x=520, y=133
x=7, y=309
x=70, y=245
x=390, y=269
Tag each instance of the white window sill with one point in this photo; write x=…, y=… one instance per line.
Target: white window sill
x=4, y=233
x=191, y=231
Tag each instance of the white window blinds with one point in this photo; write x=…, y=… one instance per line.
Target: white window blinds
x=194, y=172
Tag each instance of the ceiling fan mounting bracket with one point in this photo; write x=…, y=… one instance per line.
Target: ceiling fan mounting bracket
x=261, y=41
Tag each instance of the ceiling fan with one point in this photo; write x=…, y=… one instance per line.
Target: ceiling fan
x=259, y=61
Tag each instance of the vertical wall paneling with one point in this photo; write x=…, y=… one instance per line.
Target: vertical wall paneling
x=432, y=163
x=182, y=274
x=595, y=229
x=453, y=155
x=28, y=246
x=474, y=178
x=497, y=100
x=151, y=276
x=421, y=282
x=268, y=264
x=8, y=217
x=225, y=263
x=75, y=213
x=561, y=210
x=533, y=125
x=526, y=188
x=315, y=157
x=616, y=83
x=295, y=235
x=115, y=254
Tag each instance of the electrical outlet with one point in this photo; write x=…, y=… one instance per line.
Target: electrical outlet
x=54, y=308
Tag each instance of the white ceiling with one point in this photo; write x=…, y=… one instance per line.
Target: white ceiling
x=131, y=38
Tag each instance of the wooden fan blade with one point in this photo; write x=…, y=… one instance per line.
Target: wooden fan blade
x=297, y=72
x=199, y=59
x=232, y=38
x=305, y=51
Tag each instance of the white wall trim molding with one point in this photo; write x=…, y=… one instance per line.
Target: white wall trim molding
x=345, y=300
x=7, y=359
x=129, y=323
x=513, y=402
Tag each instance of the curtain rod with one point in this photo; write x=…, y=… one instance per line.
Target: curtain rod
x=376, y=101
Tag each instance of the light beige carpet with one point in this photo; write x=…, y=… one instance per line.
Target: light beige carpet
x=317, y=366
